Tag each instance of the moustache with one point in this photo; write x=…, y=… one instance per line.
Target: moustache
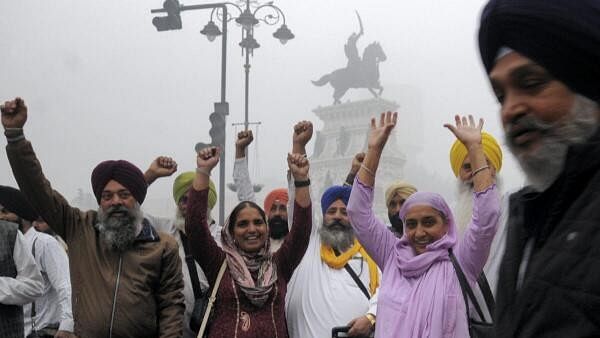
x=524, y=124
x=338, y=225
x=118, y=211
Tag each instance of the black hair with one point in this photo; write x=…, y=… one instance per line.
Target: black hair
x=242, y=205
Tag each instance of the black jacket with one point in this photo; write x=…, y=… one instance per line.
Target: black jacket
x=560, y=293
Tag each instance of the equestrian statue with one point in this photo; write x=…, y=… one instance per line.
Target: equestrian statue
x=359, y=72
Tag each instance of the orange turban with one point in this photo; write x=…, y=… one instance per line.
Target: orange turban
x=275, y=195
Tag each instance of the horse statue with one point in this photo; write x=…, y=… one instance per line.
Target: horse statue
x=359, y=72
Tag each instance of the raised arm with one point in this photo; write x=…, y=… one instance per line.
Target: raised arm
x=292, y=250
x=241, y=175
x=27, y=170
x=473, y=250
x=162, y=166
x=372, y=232
x=301, y=135
x=204, y=248
x=356, y=163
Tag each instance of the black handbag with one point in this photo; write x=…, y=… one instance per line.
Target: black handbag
x=477, y=328
x=203, y=301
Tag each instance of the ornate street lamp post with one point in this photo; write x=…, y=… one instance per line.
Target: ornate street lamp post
x=248, y=18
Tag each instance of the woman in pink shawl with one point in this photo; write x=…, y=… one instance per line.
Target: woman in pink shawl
x=420, y=295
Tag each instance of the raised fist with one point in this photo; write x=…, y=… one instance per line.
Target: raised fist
x=356, y=162
x=298, y=164
x=208, y=158
x=303, y=131
x=244, y=138
x=14, y=113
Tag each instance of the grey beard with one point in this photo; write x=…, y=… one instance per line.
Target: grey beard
x=179, y=221
x=543, y=166
x=119, y=232
x=463, y=209
x=338, y=239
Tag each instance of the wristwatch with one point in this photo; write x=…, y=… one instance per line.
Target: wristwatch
x=371, y=318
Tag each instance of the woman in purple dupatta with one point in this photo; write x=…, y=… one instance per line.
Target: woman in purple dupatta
x=419, y=294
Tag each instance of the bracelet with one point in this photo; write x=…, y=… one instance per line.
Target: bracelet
x=371, y=318
x=15, y=139
x=300, y=184
x=369, y=171
x=480, y=169
x=203, y=171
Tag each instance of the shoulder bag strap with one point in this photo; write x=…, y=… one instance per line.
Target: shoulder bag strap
x=487, y=293
x=191, y=264
x=354, y=276
x=465, y=288
x=211, y=300
x=33, y=303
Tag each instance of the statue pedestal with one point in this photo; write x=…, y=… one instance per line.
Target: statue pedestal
x=344, y=133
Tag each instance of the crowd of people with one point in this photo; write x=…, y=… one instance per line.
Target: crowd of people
x=498, y=265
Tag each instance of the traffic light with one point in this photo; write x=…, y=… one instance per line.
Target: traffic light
x=173, y=19
x=217, y=129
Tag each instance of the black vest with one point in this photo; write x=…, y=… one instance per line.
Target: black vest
x=11, y=316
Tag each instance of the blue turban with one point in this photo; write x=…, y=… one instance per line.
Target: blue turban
x=562, y=36
x=334, y=193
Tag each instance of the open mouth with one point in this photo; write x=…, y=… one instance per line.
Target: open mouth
x=524, y=137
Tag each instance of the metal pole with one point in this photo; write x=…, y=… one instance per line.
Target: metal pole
x=247, y=71
x=225, y=113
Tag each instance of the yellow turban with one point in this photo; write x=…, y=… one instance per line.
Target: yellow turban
x=182, y=184
x=402, y=188
x=491, y=149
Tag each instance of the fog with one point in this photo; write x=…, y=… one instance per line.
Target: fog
x=101, y=83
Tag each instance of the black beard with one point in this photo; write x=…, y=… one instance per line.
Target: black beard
x=278, y=227
x=118, y=231
x=337, y=235
x=396, y=223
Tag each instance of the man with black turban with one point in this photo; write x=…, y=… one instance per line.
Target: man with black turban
x=126, y=277
x=543, y=61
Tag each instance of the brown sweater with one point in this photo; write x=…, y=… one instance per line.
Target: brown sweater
x=149, y=301
x=234, y=316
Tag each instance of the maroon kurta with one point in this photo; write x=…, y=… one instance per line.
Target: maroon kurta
x=234, y=316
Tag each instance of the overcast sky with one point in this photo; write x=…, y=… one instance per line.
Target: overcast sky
x=101, y=83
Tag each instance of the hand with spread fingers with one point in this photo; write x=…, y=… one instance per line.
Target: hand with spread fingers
x=469, y=133
x=380, y=132
x=466, y=130
x=14, y=113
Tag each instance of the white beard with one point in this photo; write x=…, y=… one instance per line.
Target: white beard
x=463, y=209
x=179, y=222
